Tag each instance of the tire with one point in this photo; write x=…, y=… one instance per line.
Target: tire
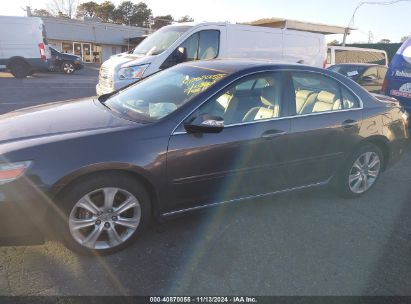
x=104, y=231
x=360, y=172
x=67, y=67
x=19, y=69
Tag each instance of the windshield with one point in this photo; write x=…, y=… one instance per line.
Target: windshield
x=161, y=40
x=163, y=93
x=350, y=71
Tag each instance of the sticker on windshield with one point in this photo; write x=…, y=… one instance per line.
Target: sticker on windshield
x=196, y=85
x=353, y=73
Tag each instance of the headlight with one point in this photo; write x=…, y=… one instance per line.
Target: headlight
x=12, y=171
x=132, y=72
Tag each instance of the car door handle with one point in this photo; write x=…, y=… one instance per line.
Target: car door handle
x=349, y=123
x=272, y=133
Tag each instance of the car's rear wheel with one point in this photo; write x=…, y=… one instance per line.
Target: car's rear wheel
x=19, y=69
x=67, y=67
x=104, y=214
x=361, y=171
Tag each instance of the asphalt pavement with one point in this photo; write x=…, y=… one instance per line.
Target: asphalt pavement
x=303, y=243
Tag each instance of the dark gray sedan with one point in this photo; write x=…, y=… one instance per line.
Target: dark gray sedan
x=96, y=171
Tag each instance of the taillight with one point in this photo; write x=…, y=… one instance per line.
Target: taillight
x=42, y=51
x=384, y=86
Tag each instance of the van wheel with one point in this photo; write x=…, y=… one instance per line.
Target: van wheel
x=103, y=213
x=19, y=69
x=67, y=67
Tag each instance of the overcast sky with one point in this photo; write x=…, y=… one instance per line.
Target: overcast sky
x=391, y=22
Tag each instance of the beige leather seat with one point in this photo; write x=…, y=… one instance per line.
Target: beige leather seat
x=326, y=101
x=301, y=97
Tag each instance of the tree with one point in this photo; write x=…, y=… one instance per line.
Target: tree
x=143, y=15
x=42, y=13
x=161, y=21
x=132, y=14
x=87, y=9
x=106, y=11
x=185, y=18
x=63, y=8
x=334, y=42
x=385, y=41
x=125, y=12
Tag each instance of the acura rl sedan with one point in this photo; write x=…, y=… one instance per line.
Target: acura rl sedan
x=96, y=171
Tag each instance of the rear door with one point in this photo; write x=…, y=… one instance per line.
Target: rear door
x=325, y=126
x=246, y=159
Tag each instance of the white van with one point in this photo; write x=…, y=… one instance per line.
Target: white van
x=23, y=45
x=342, y=54
x=177, y=43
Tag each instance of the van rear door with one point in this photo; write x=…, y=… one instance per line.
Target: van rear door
x=304, y=49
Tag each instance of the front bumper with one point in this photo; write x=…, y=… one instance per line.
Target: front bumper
x=23, y=211
x=78, y=65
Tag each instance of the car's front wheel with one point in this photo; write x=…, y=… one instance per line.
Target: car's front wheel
x=361, y=171
x=103, y=214
x=68, y=67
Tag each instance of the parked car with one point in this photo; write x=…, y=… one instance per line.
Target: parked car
x=65, y=63
x=179, y=43
x=345, y=54
x=193, y=136
x=369, y=76
x=398, y=80
x=23, y=45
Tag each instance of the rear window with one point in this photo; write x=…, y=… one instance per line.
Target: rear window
x=349, y=71
x=354, y=56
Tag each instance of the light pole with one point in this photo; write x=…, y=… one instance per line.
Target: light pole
x=361, y=4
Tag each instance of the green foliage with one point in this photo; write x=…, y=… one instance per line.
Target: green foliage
x=41, y=13
x=87, y=9
x=185, y=18
x=161, y=21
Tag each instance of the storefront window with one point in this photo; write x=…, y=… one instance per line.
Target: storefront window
x=67, y=47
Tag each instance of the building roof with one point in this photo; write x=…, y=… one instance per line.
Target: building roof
x=300, y=25
x=90, y=31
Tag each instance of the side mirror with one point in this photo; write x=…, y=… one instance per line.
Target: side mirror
x=180, y=55
x=205, y=124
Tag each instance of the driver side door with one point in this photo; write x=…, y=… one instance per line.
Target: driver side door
x=244, y=160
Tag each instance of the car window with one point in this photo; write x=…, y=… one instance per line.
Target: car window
x=191, y=45
x=163, y=93
x=350, y=101
x=371, y=73
x=351, y=71
x=209, y=44
x=315, y=93
x=382, y=72
x=242, y=102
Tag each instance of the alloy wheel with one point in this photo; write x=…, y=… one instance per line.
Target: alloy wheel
x=68, y=68
x=364, y=172
x=105, y=218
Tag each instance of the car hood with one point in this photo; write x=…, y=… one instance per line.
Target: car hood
x=59, y=119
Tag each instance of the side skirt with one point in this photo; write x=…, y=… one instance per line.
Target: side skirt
x=182, y=211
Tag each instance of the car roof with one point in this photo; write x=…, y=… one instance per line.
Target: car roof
x=359, y=64
x=231, y=66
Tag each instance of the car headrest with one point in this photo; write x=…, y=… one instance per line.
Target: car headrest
x=326, y=96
